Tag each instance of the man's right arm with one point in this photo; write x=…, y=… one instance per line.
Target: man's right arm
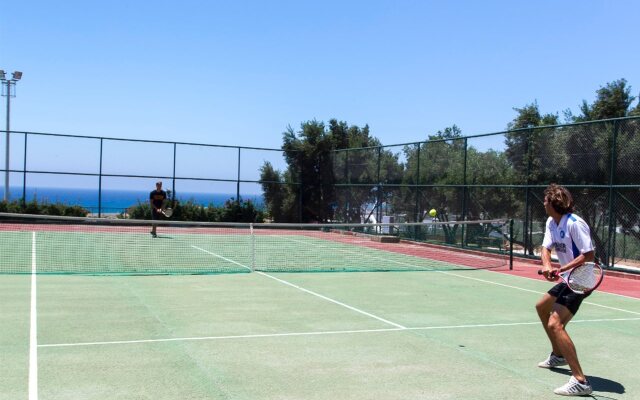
x=547, y=245
x=547, y=268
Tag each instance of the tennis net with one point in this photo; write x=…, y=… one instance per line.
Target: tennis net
x=70, y=245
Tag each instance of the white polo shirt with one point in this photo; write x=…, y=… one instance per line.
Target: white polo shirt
x=570, y=238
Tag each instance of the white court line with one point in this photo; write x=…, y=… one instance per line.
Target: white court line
x=532, y=291
x=224, y=258
x=446, y=273
x=322, y=333
x=306, y=290
x=332, y=300
x=33, y=329
x=492, y=283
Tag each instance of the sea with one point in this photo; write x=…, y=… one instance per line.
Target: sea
x=116, y=201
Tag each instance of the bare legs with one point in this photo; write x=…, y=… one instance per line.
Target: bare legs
x=554, y=318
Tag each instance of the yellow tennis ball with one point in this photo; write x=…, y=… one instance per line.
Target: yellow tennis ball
x=433, y=212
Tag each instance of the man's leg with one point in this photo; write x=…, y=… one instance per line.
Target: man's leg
x=558, y=320
x=153, y=226
x=544, y=308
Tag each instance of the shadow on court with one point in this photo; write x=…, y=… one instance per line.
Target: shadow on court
x=599, y=384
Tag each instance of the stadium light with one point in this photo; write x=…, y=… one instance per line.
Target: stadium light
x=15, y=77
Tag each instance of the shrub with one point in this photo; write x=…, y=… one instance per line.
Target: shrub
x=231, y=211
x=34, y=207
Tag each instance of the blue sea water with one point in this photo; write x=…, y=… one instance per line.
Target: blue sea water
x=114, y=201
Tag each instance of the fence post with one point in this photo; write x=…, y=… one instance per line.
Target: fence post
x=511, y=243
x=611, y=248
x=526, y=231
x=347, y=180
x=24, y=174
x=464, y=191
x=173, y=180
x=100, y=181
x=417, y=182
x=238, y=181
x=379, y=191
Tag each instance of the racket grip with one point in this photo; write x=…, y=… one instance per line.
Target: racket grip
x=553, y=273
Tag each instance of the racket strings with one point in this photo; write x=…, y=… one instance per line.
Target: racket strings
x=584, y=278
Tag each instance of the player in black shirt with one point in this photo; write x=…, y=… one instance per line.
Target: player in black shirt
x=157, y=199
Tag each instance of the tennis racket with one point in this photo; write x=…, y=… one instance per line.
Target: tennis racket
x=167, y=211
x=582, y=279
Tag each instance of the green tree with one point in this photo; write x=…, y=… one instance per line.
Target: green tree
x=432, y=165
x=274, y=191
x=578, y=154
x=527, y=147
x=314, y=169
x=612, y=101
x=307, y=153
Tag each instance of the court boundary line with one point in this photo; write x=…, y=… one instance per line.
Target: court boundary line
x=496, y=283
x=534, y=291
x=333, y=301
x=222, y=257
x=322, y=333
x=33, y=326
x=458, y=275
x=306, y=290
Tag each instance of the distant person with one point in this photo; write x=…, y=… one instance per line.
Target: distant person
x=157, y=199
x=571, y=238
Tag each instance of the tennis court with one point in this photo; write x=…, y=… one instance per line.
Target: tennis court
x=427, y=328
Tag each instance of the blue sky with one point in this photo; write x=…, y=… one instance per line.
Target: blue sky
x=238, y=73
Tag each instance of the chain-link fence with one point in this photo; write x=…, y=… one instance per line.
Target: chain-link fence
x=492, y=176
x=95, y=167
x=503, y=175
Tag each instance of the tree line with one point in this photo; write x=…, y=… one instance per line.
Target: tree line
x=339, y=172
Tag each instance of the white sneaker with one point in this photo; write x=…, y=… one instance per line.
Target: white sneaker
x=574, y=388
x=553, y=361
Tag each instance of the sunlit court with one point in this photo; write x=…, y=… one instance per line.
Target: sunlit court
x=258, y=313
x=334, y=200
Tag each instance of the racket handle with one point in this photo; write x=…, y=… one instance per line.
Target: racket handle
x=541, y=272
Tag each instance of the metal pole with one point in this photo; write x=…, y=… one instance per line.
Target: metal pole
x=379, y=191
x=100, y=182
x=6, y=168
x=417, y=182
x=347, y=180
x=511, y=244
x=24, y=173
x=238, y=181
x=526, y=232
x=173, y=182
x=464, y=191
x=611, y=240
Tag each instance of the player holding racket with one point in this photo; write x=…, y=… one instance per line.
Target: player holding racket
x=157, y=199
x=571, y=238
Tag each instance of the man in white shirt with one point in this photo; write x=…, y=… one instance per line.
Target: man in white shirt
x=570, y=236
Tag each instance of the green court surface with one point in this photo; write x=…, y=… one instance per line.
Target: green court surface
x=468, y=334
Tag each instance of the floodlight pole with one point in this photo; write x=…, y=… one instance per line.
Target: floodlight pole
x=8, y=142
x=17, y=75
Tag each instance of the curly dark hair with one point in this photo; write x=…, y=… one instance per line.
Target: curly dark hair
x=560, y=198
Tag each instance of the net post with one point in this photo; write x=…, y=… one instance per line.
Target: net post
x=511, y=244
x=253, y=247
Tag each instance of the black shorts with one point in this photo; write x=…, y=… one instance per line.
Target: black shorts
x=567, y=297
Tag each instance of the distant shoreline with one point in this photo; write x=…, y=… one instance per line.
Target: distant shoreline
x=115, y=201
